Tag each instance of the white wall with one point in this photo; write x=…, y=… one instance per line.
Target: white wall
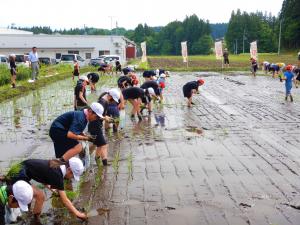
x=49, y=45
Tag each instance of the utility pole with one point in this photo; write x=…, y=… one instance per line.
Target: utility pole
x=85, y=33
x=116, y=27
x=111, y=23
x=279, y=38
x=233, y=47
x=244, y=41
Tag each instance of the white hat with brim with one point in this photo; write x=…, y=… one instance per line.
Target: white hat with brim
x=97, y=108
x=77, y=167
x=23, y=193
x=115, y=94
x=151, y=91
x=84, y=78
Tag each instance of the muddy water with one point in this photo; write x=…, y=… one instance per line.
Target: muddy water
x=25, y=121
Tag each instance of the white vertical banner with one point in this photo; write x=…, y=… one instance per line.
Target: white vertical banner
x=184, y=51
x=219, y=49
x=253, y=49
x=144, y=52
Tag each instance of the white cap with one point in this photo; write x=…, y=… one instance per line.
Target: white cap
x=23, y=193
x=97, y=108
x=84, y=78
x=76, y=166
x=157, y=71
x=115, y=94
x=151, y=91
x=162, y=75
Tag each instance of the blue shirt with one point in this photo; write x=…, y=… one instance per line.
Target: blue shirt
x=289, y=77
x=33, y=57
x=74, y=121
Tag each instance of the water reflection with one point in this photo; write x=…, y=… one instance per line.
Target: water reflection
x=17, y=114
x=36, y=106
x=160, y=119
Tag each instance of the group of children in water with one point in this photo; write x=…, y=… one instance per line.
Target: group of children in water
x=288, y=73
x=66, y=131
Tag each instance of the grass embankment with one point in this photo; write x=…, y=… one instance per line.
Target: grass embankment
x=239, y=62
x=47, y=75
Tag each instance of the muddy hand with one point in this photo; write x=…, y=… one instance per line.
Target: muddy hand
x=82, y=216
x=91, y=138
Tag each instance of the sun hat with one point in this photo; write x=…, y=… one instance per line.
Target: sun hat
x=289, y=67
x=84, y=78
x=115, y=94
x=97, y=108
x=157, y=71
x=201, y=81
x=77, y=167
x=23, y=193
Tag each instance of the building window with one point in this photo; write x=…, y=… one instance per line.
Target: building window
x=104, y=52
x=73, y=52
x=88, y=55
x=57, y=55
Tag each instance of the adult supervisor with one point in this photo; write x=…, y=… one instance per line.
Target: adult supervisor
x=52, y=178
x=34, y=63
x=67, y=130
x=226, y=57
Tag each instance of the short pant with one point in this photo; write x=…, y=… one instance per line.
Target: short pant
x=61, y=142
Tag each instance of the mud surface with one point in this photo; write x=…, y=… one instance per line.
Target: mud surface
x=233, y=158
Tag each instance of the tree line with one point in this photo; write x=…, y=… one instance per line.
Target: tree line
x=241, y=29
x=166, y=41
x=244, y=28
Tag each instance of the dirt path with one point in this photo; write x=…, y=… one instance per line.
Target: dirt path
x=231, y=159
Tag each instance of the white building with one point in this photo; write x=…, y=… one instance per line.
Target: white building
x=87, y=46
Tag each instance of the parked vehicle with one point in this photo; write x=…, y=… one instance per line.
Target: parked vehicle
x=3, y=59
x=96, y=61
x=47, y=60
x=69, y=58
x=110, y=58
x=22, y=60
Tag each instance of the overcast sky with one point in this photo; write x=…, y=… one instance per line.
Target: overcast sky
x=127, y=13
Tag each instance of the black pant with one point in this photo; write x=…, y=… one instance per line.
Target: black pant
x=2, y=214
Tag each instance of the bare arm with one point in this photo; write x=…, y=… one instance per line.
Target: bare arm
x=82, y=98
x=122, y=102
x=70, y=206
x=71, y=135
x=75, y=103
